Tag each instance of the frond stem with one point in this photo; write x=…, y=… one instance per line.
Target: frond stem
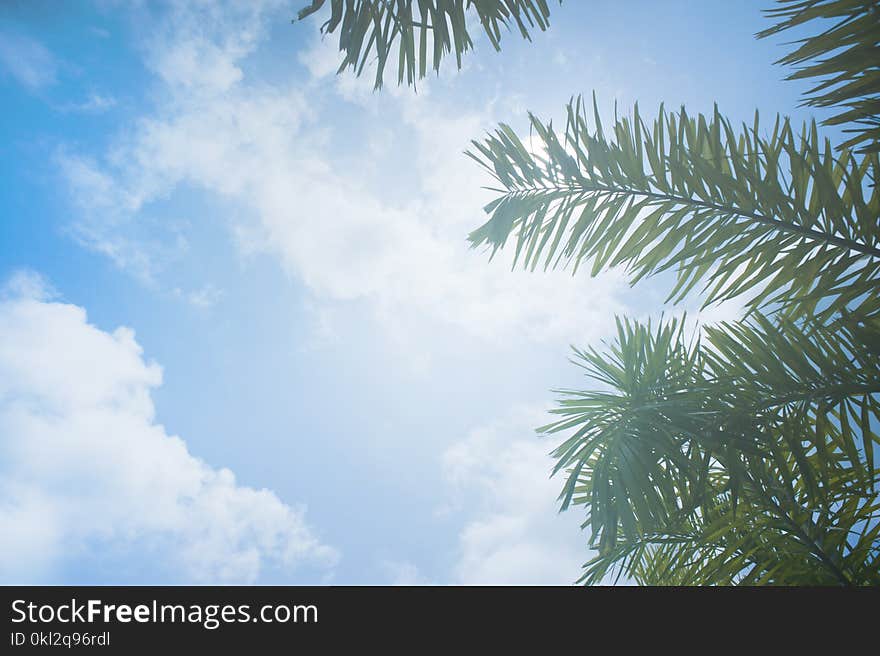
x=783, y=226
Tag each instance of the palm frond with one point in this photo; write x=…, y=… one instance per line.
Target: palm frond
x=844, y=59
x=826, y=380
x=423, y=32
x=752, y=545
x=743, y=457
x=739, y=211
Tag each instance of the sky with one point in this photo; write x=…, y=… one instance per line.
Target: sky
x=242, y=336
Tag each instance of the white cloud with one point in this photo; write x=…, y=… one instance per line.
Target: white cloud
x=322, y=59
x=515, y=534
x=27, y=283
x=198, y=46
x=86, y=468
x=27, y=60
x=203, y=298
x=341, y=225
x=403, y=573
x=99, y=32
x=94, y=103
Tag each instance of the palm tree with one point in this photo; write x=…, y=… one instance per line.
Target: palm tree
x=744, y=454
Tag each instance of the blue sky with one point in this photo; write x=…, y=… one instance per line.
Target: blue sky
x=242, y=338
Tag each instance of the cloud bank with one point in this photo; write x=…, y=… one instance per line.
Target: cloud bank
x=514, y=534
x=383, y=222
x=28, y=61
x=85, y=469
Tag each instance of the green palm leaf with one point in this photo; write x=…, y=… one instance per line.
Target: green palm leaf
x=746, y=457
x=844, y=59
x=424, y=32
x=778, y=215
